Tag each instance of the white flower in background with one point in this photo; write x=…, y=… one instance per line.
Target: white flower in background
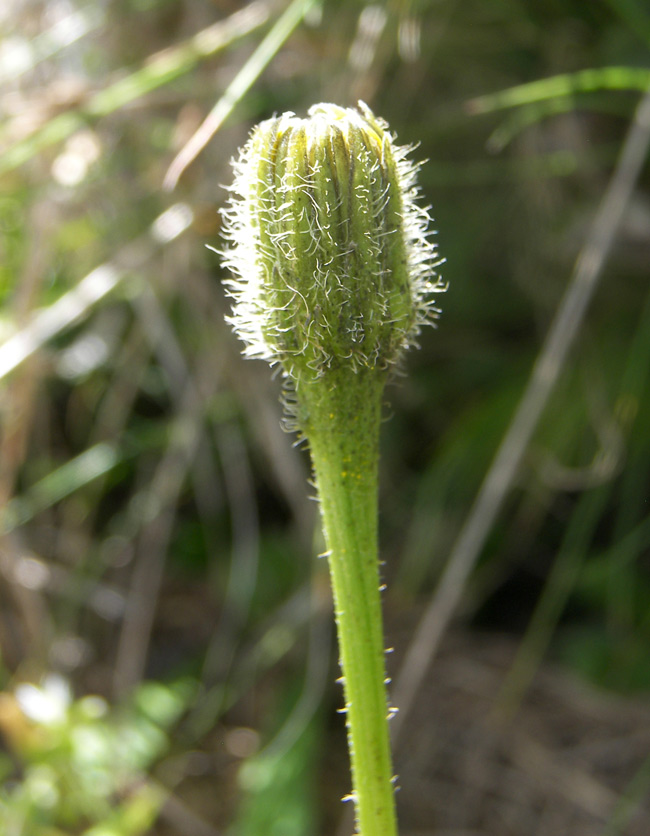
x=48, y=703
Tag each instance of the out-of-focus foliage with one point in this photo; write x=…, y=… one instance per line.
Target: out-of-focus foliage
x=155, y=520
x=72, y=766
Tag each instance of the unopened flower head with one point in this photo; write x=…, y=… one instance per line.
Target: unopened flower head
x=329, y=249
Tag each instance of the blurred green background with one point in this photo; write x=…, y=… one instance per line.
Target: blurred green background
x=167, y=660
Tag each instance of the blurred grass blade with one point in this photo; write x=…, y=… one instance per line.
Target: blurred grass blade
x=158, y=70
x=19, y=55
x=238, y=88
x=545, y=373
x=584, y=81
x=525, y=117
x=278, y=784
x=59, y=484
x=278, y=795
x=630, y=546
x=171, y=63
x=71, y=307
x=54, y=131
x=629, y=801
x=551, y=604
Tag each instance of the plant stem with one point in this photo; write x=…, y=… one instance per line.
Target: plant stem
x=340, y=415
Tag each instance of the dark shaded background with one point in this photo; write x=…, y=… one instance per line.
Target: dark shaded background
x=159, y=586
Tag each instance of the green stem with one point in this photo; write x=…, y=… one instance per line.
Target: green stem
x=340, y=415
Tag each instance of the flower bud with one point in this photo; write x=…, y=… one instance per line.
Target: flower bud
x=330, y=253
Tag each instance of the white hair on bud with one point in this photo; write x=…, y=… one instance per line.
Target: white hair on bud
x=275, y=229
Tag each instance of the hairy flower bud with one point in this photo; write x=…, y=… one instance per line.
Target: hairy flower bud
x=330, y=252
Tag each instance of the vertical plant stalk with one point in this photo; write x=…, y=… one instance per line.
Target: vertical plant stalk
x=344, y=445
x=332, y=269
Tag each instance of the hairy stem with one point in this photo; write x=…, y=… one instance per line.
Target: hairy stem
x=340, y=415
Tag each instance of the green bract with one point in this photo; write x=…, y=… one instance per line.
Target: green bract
x=329, y=250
